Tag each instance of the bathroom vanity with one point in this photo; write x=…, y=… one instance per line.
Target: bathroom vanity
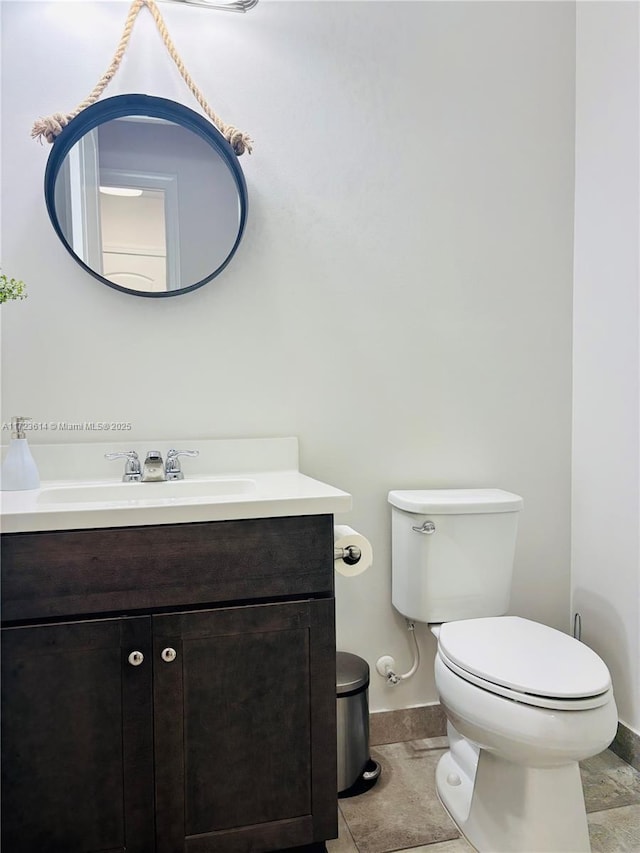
x=171, y=686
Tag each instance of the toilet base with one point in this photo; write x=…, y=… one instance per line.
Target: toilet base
x=510, y=808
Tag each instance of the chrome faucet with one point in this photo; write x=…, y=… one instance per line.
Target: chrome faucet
x=153, y=468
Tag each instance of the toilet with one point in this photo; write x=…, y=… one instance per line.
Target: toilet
x=524, y=702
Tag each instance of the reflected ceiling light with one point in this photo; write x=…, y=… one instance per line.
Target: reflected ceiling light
x=128, y=192
x=229, y=6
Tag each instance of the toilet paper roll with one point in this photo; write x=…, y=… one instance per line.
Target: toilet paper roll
x=343, y=536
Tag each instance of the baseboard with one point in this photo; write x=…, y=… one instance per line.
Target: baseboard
x=626, y=746
x=407, y=724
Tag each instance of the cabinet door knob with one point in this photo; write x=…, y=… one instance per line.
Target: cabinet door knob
x=168, y=655
x=135, y=658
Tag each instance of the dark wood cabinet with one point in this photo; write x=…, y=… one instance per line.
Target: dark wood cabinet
x=219, y=735
x=77, y=764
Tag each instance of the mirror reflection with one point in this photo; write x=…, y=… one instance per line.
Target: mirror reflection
x=147, y=204
x=133, y=237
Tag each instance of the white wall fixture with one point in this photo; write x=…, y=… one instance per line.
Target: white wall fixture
x=231, y=6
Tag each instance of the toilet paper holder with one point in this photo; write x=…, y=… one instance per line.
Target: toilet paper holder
x=351, y=554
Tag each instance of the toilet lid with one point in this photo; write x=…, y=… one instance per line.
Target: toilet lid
x=524, y=656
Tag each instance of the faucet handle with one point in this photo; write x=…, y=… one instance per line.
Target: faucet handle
x=172, y=466
x=132, y=472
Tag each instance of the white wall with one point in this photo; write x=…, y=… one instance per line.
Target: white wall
x=606, y=428
x=402, y=298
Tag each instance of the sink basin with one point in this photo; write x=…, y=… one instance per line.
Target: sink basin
x=173, y=490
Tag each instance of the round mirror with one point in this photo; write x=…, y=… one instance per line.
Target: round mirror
x=146, y=195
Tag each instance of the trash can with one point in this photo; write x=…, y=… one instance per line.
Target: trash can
x=356, y=771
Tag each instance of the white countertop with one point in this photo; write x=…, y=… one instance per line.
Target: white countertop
x=262, y=475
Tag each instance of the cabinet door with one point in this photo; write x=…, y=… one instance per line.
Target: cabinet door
x=77, y=746
x=245, y=719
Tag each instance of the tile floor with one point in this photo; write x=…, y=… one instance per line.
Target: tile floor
x=402, y=812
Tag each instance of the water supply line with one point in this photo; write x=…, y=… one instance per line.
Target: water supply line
x=385, y=665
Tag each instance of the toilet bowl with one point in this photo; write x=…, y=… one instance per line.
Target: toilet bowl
x=524, y=702
x=511, y=779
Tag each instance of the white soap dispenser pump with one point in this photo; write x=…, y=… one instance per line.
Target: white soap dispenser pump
x=19, y=470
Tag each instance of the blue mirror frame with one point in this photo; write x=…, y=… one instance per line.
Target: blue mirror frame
x=142, y=105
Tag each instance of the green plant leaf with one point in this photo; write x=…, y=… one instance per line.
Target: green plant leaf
x=11, y=288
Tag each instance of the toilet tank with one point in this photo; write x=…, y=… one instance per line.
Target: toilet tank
x=463, y=568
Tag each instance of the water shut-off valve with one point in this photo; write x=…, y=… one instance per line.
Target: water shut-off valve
x=386, y=665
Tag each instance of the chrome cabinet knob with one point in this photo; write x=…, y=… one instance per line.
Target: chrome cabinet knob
x=135, y=658
x=168, y=655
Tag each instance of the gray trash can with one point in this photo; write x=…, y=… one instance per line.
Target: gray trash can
x=355, y=768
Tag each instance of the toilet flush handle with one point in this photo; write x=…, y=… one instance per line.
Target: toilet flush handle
x=428, y=527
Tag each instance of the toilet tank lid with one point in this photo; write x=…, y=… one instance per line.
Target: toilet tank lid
x=454, y=501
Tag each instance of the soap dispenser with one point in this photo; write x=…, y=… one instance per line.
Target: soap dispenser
x=19, y=470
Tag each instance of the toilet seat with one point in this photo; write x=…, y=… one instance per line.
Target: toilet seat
x=526, y=662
